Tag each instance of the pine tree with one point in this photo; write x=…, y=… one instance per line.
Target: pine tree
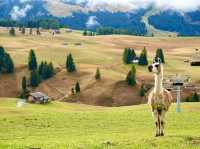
x=70, y=66
x=32, y=61
x=38, y=31
x=160, y=54
x=125, y=56
x=143, y=57
x=85, y=33
x=23, y=31
x=142, y=91
x=12, y=31
x=77, y=88
x=133, y=54
x=20, y=28
x=51, y=70
x=30, y=31
x=128, y=55
x=195, y=97
x=8, y=64
x=24, y=92
x=44, y=71
x=24, y=83
x=34, y=78
x=98, y=74
x=2, y=53
x=131, y=77
x=40, y=68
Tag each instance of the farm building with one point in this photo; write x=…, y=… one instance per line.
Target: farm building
x=68, y=30
x=195, y=60
x=135, y=60
x=38, y=97
x=56, y=31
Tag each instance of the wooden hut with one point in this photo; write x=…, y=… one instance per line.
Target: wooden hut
x=38, y=97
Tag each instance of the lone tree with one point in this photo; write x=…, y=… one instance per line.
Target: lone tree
x=34, y=78
x=24, y=92
x=70, y=66
x=32, y=61
x=128, y=55
x=131, y=77
x=77, y=88
x=12, y=31
x=98, y=74
x=143, y=57
x=160, y=54
x=142, y=91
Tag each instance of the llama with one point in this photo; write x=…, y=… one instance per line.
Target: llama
x=159, y=98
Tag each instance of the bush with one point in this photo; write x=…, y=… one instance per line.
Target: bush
x=98, y=74
x=193, y=98
x=142, y=91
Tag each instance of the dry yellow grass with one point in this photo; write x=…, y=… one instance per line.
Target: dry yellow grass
x=101, y=51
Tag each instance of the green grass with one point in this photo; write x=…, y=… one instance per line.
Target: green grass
x=72, y=126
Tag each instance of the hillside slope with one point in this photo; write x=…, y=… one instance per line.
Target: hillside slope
x=104, y=52
x=60, y=126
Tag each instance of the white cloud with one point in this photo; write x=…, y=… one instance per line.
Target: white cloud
x=18, y=12
x=92, y=22
x=180, y=5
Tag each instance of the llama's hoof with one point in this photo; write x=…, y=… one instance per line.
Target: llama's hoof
x=157, y=135
x=162, y=134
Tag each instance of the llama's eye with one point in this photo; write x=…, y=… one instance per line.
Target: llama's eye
x=156, y=66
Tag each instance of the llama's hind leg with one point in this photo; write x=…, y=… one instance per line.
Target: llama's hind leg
x=162, y=120
x=157, y=123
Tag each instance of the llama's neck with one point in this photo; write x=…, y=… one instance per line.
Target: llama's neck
x=158, y=85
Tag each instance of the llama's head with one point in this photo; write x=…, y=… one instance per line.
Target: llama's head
x=156, y=67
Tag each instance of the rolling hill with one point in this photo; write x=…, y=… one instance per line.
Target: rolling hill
x=104, y=52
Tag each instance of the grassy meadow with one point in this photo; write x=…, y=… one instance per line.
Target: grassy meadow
x=75, y=126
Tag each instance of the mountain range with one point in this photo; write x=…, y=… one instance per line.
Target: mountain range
x=138, y=17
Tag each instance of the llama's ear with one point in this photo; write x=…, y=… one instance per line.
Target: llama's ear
x=155, y=60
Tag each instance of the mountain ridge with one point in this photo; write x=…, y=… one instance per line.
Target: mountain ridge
x=84, y=14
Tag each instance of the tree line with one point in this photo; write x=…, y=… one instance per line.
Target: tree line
x=23, y=30
x=129, y=55
x=41, y=23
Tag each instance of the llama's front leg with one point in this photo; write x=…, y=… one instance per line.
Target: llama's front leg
x=157, y=123
x=162, y=118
